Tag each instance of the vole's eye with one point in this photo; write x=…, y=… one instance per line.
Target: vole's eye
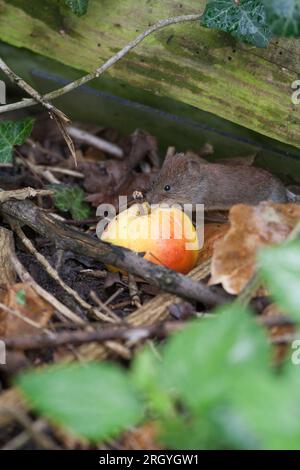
x=167, y=188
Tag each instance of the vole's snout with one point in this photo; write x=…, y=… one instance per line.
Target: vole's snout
x=151, y=197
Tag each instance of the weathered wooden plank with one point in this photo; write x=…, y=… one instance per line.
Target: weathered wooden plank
x=198, y=67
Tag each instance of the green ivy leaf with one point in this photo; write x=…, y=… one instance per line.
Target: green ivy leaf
x=79, y=7
x=96, y=401
x=283, y=16
x=280, y=267
x=13, y=133
x=245, y=20
x=71, y=199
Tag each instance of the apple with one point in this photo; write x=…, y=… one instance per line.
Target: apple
x=165, y=234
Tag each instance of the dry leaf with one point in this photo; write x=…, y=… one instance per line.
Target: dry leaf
x=212, y=233
x=24, y=300
x=142, y=438
x=280, y=350
x=251, y=228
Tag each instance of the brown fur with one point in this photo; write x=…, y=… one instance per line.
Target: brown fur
x=216, y=186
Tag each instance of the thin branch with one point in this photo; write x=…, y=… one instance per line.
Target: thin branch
x=26, y=277
x=22, y=317
x=51, y=271
x=78, y=242
x=31, y=91
x=76, y=338
x=94, y=141
x=24, y=193
x=103, y=68
x=134, y=291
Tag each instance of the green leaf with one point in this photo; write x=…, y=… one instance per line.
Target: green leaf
x=245, y=20
x=200, y=363
x=283, y=16
x=79, y=7
x=280, y=267
x=21, y=297
x=71, y=199
x=144, y=373
x=268, y=407
x=13, y=133
x=96, y=401
x=199, y=367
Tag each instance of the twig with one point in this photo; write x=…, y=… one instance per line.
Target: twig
x=45, y=171
x=50, y=270
x=134, y=291
x=26, y=277
x=94, y=273
x=31, y=91
x=43, y=149
x=17, y=314
x=62, y=127
x=286, y=338
x=275, y=321
x=59, y=117
x=156, y=310
x=111, y=315
x=37, y=435
x=70, y=239
x=103, y=68
x=97, y=142
x=76, y=338
x=114, y=296
x=63, y=171
x=24, y=193
x=21, y=439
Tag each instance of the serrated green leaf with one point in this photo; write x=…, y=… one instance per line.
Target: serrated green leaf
x=245, y=20
x=199, y=368
x=79, y=7
x=96, y=401
x=200, y=362
x=71, y=199
x=283, y=16
x=280, y=267
x=13, y=133
x=268, y=407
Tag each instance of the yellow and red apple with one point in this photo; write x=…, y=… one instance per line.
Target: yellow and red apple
x=166, y=235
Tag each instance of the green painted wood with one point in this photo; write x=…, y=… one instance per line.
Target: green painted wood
x=188, y=64
x=172, y=123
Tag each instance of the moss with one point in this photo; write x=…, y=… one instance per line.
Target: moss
x=46, y=11
x=185, y=63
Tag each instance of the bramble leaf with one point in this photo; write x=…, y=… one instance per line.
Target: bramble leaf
x=280, y=267
x=96, y=401
x=71, y=199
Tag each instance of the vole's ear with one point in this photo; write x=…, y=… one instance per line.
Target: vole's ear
x=192, y=166
x=170, y=153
